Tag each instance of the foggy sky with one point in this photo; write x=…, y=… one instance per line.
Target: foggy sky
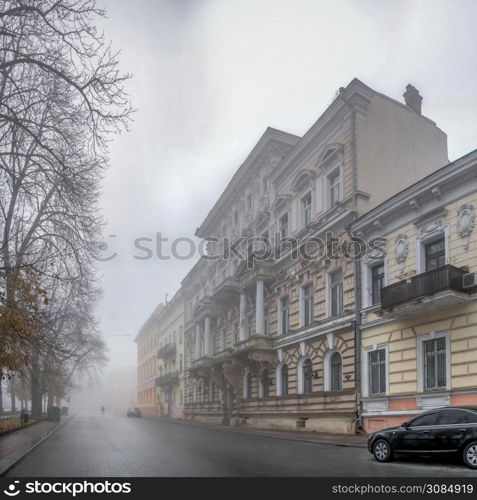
x=209, y=77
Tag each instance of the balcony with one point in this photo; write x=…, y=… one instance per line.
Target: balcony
x=438, y=288
x=167, y=380
x=256, y=348
x=226, y=292
x=167, y=351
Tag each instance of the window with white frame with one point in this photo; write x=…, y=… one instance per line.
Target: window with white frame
x=435, y=362
x=283, y=226
x=235, y=333
x=222, y=340
x=377, y=366
x=334, y=187
x=307, y=305
x=247, y=384
x=435, y=254
x=336, y=371
x=432, y=246
x=250, y=202
x=264, y=383
x=284, y=311
x=249, y=325
x=306, y=209
x=307, y=376
x=282, y=379
x=376, y=275
x=336, y=293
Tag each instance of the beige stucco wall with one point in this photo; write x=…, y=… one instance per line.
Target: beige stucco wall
x=395, y=147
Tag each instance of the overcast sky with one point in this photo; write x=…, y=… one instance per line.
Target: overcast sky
x=210, y=75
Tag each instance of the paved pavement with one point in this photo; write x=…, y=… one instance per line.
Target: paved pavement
x=112, y=445
x=15, y=444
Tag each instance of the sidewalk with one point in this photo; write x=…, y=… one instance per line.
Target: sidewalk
x=354, y=440
x=15, y=445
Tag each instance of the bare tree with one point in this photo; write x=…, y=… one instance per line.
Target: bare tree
x=61, y=96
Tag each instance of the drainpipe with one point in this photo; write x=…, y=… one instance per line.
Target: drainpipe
x=357, y=334
x=357, y=266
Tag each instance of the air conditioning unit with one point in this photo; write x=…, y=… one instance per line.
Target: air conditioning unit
x=469, y=280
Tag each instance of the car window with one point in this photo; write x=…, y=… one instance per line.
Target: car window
x=449, y=417
x=427, y=419
x=471, y=417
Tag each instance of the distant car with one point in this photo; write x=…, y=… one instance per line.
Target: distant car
x=451, y=430
x=134, y=412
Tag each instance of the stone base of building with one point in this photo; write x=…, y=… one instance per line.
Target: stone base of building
x=396, y=410
x=205, y=419
x=340, y=425
x=148, y=411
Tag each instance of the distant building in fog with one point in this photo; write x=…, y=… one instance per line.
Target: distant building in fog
x=160, y=347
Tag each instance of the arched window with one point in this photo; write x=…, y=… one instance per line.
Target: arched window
x=335, y=372
x=282, y=380
x=247, y=384
x=307, y=371
x=264, y=382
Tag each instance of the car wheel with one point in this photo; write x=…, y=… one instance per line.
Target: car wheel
x=382, y=451
x=470, y=455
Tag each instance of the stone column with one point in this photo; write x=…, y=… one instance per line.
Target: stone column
x=208, y=339
x=259, y=309
x=243, y=318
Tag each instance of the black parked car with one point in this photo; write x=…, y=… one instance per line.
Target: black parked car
x=134, y=412
x=443, y=430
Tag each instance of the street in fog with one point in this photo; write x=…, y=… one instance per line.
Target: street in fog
x=114, y=445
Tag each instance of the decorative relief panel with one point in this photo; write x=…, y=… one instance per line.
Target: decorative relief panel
x=401, y=251
x=465, y=223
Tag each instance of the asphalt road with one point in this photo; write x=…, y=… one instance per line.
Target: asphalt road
x=112, y=445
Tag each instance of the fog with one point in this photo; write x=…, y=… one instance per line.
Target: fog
x=209, y=77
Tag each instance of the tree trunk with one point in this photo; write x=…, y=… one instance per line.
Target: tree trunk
x=50, y=400
x=36, y=399
x=12, y=393
x=1, y=392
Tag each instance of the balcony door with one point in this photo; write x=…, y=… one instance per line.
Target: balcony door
x=435, y=254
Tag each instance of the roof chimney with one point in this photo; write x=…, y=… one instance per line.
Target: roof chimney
x=412, y=98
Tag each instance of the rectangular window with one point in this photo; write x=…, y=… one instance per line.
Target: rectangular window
x=435, y=254
x=235, y=333
x=377, y=282
x=307, y=306
x=336, y=293
x=306, y=209
x=377, y=372
x=284, y=315
x=265, y=314
x=264, y=185
x=249, y=202
x=283, y=224
x=222, y=340
x=334, y=187
x=249, y=325
x=435, y=364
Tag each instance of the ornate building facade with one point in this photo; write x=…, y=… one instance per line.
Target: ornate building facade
x=277, y=343
x=419, y=314
x=161, y=363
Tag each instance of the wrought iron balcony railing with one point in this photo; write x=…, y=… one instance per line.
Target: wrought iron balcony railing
x=168, y=378
x=167, y=351
x=422, y=285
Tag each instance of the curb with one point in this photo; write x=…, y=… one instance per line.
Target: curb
x=260, y=433
x=4, y=471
